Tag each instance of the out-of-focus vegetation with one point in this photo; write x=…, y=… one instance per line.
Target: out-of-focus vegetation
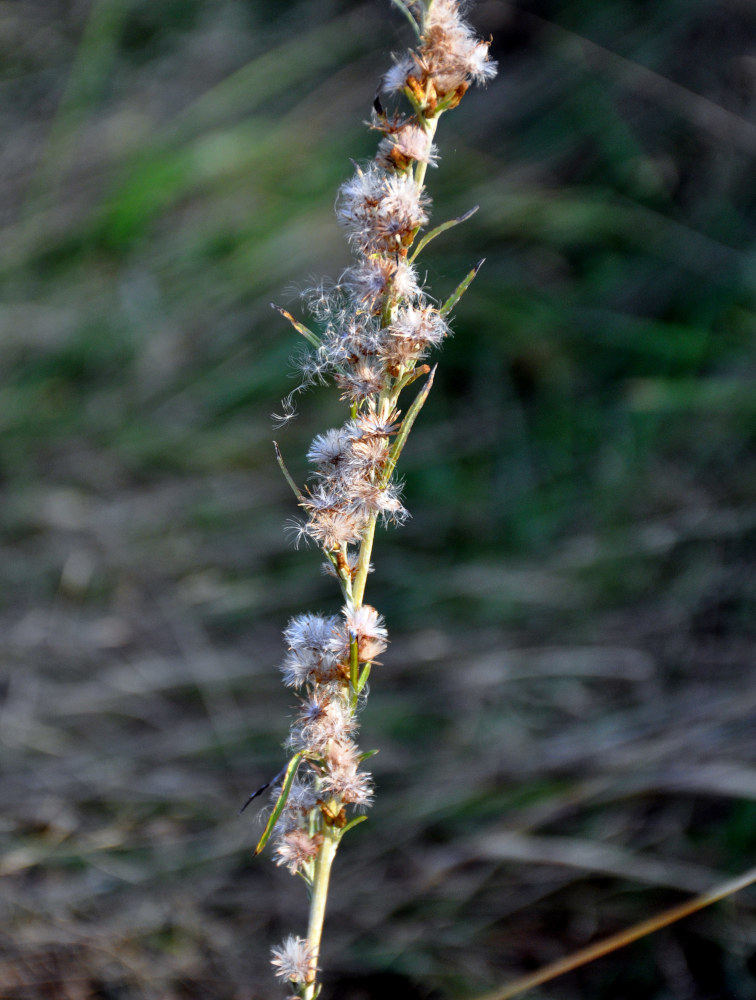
x=566, y=714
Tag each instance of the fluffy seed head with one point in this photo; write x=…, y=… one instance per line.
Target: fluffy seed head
x=404, y=146
x=395, y=79
x=369, y=455
x=373, y=327
x=293, y=959
x=309, y=632
x=382, y=210
x=328, y=449
x=342, y=778
x=422, y=326
x=296, y=848
x=368, y=626
x=452, y=55
x=332, y=529
x=375, y=277
x=368, y=423
x=361, y=381
x=309, y=656
x=324, y=717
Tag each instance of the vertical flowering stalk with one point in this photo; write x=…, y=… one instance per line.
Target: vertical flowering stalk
x=375, y=327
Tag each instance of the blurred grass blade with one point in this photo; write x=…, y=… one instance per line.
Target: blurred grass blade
x=283, y=795
x=460, y=290
x=89, y=75
x=623, y=938
x=442, y=229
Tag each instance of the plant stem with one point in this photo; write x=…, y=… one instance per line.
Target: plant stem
x=430, y=127
x=366, y=550
x=330, y=843
x=318, y=904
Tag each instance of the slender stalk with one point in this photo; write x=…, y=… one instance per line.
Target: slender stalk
x=321, y=880
x=363, y=566
x=623, y=938
x=376, y=329
x=430, y=126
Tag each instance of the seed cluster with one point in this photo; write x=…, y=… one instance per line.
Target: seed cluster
x=375, y=328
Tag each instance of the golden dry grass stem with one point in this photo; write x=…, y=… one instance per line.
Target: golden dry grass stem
x=623, y=938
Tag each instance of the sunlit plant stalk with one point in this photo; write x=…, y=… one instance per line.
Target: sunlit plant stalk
x=373, y=329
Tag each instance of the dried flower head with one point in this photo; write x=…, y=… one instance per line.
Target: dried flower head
x=297, y=848
x=293, y=959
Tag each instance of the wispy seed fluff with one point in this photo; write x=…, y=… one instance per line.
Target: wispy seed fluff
x=374, y=328
x=293, y=959
x=450, y=57
x=381, y=210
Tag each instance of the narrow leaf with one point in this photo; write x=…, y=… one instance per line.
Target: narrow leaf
x=363, y=678
x=309, y=336
x=441, y=229
x=354, y=661
x=460, y=290
x=401, y=437
x=352, y=822
x=367, y=754
x=283, y=795
x=285, y=471
x=410, y=377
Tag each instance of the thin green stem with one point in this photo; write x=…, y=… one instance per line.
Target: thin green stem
x=430, y=130
x=363, y=565
x=327, y=853
x=438, y=230
x=320, y=883
x=406, y=427
x=354, y=662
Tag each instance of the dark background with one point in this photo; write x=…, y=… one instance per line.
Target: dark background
x=565, y=715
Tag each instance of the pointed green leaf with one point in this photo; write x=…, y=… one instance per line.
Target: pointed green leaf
x=363, y=678
x=283, y=795
x=354, y=662
x=460, y=290
x=309, y=336
x=441, y=229
x=401, y=437
x=285, y=471
x=352, y=822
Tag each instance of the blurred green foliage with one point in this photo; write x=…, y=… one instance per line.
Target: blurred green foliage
x=172, y=194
